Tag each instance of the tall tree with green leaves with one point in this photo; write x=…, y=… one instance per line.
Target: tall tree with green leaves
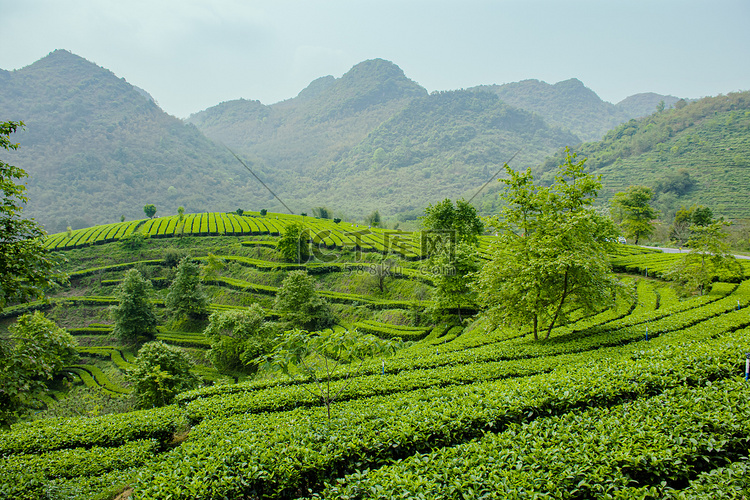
x=551, y=255
x=186, y=296
x=709, y=258
x=237, y=338
x=293, y=244
x=36, y=350
x=299, y=304
x=149, y=210
x=373, y=219
x=453, y=276
x=134, y=316
x=633, y=210
x=460, y=222
x=27, y=267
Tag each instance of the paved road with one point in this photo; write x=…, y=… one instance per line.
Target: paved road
x=684, y=250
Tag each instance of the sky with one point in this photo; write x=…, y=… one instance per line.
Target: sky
x=193, y=54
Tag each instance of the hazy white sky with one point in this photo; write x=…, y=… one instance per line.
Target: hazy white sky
x=192, y=54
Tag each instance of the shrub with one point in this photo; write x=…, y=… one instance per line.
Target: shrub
x=161, y=371
x=237, y=337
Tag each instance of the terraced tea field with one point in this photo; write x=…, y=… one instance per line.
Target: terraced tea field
x=644, y=400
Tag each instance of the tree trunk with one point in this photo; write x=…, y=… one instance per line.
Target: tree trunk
x=560, y=305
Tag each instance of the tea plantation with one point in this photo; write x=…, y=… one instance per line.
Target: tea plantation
x=644, y=400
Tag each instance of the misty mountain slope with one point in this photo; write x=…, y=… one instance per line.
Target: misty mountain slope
x=326, y=119
x=446, y=144
x=694, y=153
x=640, y=105
x=568, y=104
x=96, y=148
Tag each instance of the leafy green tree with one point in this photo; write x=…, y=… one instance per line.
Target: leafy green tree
x=293, y=244
x=453, y=279
x=461, y=222
x=299, y=304
x=323, y=212
x=318, y=357
x=551, y=255
x=160, y=372
x=186, y=296
x=181, y=219
x=685, y=218
x=27, y=268
x=237, y=338
x=134, y=314
x=373, y=219
x=149, y=210
x=709, y=258
x=382, y=270
x=634, y=211
x=36, y=350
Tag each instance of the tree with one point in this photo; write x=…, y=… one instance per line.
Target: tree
x=293, y=244
x=27, y=268
x=460, y=222
x=373, y=219
x=181, y=219
x=709, y=258
x=323, y=212
x=318, y=357
x=634, y=211
x=299, y=304
x=160, y=372
x=36, y=351
x=186, y=296
x=382, y=270
x=134, y=315
x=551, y=255
x=237, y=338
x=453, y=277
x=685, y=218
x=149, y=210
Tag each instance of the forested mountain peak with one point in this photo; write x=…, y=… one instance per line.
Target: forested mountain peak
x=316, y=87
x=568, y=104
x=97, y=148
x=639, y=105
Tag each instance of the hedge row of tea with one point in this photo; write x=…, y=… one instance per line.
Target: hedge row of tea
x=325, y=235
x=644, y=380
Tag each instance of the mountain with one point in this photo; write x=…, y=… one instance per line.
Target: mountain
x=568, y=104
x=372, y=138
x=696, y=152
x=640, y=105
x=96, y=148
x=325, y=120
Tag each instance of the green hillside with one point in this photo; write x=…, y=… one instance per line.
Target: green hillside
x=567, y=104
x=96, y=148
x=628, y=402
x=709, y=140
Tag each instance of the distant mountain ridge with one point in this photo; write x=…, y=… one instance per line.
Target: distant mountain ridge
x=97, y=147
